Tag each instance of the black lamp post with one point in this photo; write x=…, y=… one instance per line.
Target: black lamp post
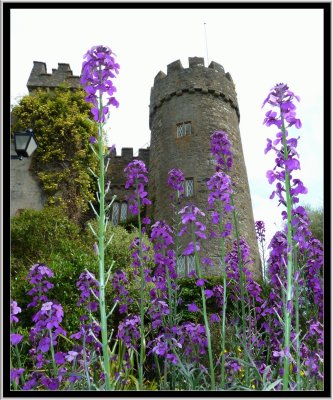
x=25, y=144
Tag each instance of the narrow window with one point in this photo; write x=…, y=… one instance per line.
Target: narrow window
x=115, y=213
x=187, y=128
x=181, y=266
x=180, y=130
x=184, y=129
x=185, y=265
x=190, y=263
x=189, y=187
x=123, y=212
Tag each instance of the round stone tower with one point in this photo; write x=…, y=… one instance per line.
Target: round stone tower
x=186, y=106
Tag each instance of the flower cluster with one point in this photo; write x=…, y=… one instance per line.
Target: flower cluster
x=128, y=331
x=38, y=277
x=176, y=180
x=189, y=218
x=98, y=70
x=260, y=231
x=221, y=149
x=88, y=286
x=286, y=155
x=137, y=176
x=14, y=310
x=232, y=262
x=119, y=283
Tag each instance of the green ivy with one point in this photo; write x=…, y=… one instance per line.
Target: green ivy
x=62, y=123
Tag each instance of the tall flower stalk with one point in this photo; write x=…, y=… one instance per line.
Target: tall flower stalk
x=136, y=174
x=98, y=70
x=282, y=98
x=221, y=149
x=189, y=215
x=219, y=199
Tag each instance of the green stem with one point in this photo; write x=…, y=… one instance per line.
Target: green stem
x=142, y=298
x=297, y=327
x=204, y=309
x=101, y=251
x=287, y=314
x=55, y=368
x=224, y=307
x=242, y=289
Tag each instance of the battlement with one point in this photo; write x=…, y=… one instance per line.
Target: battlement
x=194, y=62
x=118, y=164
x=197, y=78
x=40, y=79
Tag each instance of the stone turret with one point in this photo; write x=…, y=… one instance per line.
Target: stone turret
x=186, y=106
x=40, y=79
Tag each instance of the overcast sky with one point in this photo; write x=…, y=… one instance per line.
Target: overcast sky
x=258, y=47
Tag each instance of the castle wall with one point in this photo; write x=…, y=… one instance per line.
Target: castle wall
x=205, y=97
x=115, y=173
x=25, y=190
x=39, y=78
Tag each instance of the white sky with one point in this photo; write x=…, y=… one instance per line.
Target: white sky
x=258, y=47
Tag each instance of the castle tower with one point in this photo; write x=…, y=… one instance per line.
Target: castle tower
x=186, y=106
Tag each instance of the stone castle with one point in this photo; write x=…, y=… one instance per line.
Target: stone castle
x=186, y=106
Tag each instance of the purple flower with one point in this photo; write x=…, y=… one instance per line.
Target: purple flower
x=214, y=318
x=98, y=71
x=200, y=282
x=137, y=176
x=193, y=307
x=190, y=249
x=15, y=374
x=15, y=338
x=221, y=149
x=209, y=293
x=260, y=230
x=59, y=357
x=176, y=180
x=71, y=355
x=87, y=285
x=14, y=310
x=128, y=331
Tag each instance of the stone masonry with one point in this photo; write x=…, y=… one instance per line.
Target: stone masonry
x=202, y=97
x=205, y=98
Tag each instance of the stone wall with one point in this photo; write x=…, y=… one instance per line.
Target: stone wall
x=205, y=97
x=39, y=78
x=25, y=190
x=115, y=173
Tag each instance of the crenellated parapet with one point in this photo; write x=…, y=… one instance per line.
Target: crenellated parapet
x=119, y=163
x=40, y=79
x=211, y=81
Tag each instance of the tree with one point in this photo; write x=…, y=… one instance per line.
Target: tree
x=316, y=216
x=62, y=122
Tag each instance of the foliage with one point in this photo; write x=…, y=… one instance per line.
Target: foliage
x=48, y=237
x=62, y=124
x=316, y=216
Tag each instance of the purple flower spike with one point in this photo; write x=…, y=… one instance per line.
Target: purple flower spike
x=176, y=180
x=98, y=71
x=137, y=176
x=221, y=149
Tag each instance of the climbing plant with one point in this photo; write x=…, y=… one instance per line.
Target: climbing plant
x=62, y=122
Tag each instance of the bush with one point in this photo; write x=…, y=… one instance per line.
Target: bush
x=50, y=238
